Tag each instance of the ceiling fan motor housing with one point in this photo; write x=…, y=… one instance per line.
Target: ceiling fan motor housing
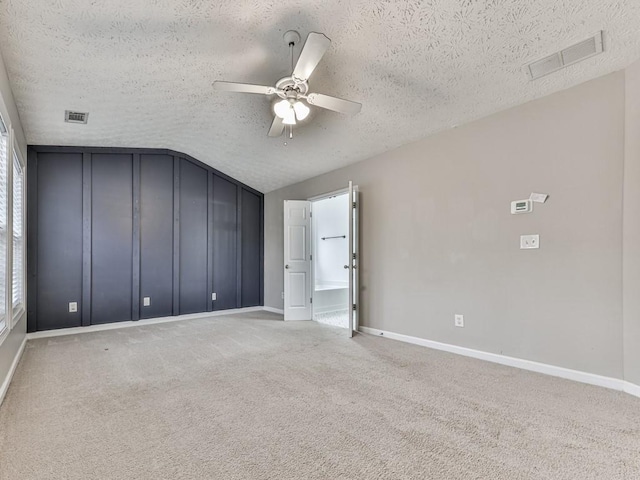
x=288, y=84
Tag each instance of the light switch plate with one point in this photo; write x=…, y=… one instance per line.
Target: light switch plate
x=73, y=307
x=214, y=296
x=458, y=320
x=529, y=241
x=146, y=301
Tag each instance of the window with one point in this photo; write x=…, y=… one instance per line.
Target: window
x=12, y=238
x=17, y=294
x=4, y=148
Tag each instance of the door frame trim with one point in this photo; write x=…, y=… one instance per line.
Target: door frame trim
x=324, y=196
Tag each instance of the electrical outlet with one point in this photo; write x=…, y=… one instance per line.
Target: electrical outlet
x=146, y=301
x=458, y=320
x=73, y=307
x=529, y=241
x=214, y=296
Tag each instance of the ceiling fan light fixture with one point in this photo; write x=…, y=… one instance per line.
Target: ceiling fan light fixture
x=290, y=117
x=282, y=108
x=302, y=111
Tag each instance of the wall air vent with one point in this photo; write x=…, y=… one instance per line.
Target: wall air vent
x=75, y=117
x=570, y=55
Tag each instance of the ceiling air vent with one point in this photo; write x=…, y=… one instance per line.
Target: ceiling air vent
x=570, y=55
x=75, y=117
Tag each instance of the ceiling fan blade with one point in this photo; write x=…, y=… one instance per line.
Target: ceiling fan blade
x=333, y=103
x=314, y=48
x=243, y=88
x=277, y=127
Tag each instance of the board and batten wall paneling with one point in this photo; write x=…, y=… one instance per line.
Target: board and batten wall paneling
x=193, y=238
x=251, y=248
x=224, y=244
x=59, y=221
x=111, y=238
x=156, y=235
x=115, y=225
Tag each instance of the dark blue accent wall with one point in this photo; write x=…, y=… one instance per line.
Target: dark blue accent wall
x=251, y=226
x=60, y=257
x=109, y=227
x=225, y=246
x=156, y=234
x=193, y=238
x=111, y=237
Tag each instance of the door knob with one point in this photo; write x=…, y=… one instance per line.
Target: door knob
x=346, y=266
x=286, y=266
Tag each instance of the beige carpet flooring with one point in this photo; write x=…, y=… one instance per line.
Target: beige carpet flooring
x=250, y=397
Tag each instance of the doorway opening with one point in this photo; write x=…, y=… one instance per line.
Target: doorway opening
x=330, y=260
x=321, y=259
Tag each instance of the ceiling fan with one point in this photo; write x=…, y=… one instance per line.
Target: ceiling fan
x=294, y=90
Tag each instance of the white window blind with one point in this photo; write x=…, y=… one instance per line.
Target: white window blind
x=17, y=294
x=4, y=146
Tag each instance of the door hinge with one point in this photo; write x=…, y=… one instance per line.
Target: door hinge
x=354, y=204
x=310, y=257
x=354, y=307
x=310, y=214
x=311, y=300
x=354, y=256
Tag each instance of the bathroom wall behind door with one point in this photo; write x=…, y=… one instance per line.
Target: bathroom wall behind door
x=331, y=254
x=331, y=230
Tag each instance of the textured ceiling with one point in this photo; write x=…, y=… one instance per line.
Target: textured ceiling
x=144, y=68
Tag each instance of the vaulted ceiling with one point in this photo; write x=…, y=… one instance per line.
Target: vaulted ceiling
x=144, y=68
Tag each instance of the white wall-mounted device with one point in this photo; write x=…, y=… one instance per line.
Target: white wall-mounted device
x=539, y=197
x=521, y=206
x=529, y=241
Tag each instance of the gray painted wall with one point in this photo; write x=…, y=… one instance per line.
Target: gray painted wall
x=9, y=112
x=631, y=230
x=437, y=237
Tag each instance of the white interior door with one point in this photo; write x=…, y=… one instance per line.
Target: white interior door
x=297, y=260
x=353, y=259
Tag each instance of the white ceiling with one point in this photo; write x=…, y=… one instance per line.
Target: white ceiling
x=144, y=68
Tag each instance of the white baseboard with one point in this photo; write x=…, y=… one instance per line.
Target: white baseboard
x=273, y=310
x=631, y=389
x=576, y=375
x=138, y=323
x=5, y=384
